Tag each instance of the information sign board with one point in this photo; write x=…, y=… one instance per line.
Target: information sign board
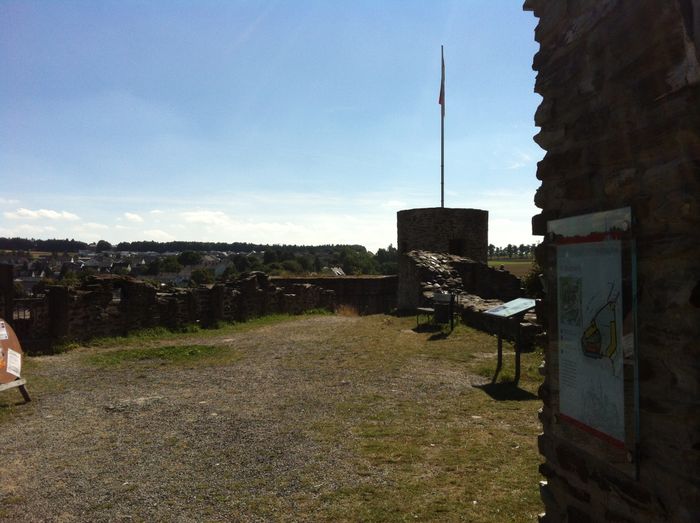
x=10, y=354
x=512, y=308
x=595, y=321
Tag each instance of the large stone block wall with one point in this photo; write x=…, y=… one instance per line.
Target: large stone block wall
x=463, y=232
x=620, y=124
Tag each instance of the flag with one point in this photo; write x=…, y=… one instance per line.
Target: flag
x=441, y=99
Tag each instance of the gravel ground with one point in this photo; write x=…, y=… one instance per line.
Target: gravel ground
x=180, y=443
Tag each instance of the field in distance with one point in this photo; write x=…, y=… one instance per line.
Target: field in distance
x=516, y=266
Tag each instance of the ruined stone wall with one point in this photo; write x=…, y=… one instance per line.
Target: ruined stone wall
x=620, y=120
x=422, y=273
x=117, y=305
x=365, y=294
x=463, y=232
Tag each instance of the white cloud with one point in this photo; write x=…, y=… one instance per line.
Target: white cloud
x=28, y=214
x=206, y=217
x=93, y=226
x=26, y=229
x=310, y=218
x=6, y=201
x=157, y=235
x=133, y=217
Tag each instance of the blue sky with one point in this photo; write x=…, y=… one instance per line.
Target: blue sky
x=302, y=121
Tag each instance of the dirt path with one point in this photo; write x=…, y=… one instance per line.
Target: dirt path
x=179, y=444
x=270, y=435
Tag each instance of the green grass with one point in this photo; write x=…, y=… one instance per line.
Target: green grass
x=516, y=266
x=172, y=354
x=444, y=453
x=156, y=335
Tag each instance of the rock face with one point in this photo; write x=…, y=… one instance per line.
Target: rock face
x=619, y=119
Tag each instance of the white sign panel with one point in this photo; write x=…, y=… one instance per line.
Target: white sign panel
x=589, y=283
x=14, y=363
x=512, y=308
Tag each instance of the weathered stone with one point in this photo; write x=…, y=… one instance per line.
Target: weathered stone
x=619, y=122
x=109, y=305
x=572, y=461
x=463, y=232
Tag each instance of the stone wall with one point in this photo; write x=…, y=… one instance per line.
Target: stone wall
x=463, y=232
x=422, y=273
x=619, y=120
x=365, y=294
x=477, y=287
x=116, y=305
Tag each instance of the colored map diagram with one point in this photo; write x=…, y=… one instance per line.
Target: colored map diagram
x=589, y=279
x=599, y=338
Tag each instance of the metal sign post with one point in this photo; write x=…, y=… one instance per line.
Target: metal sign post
x=510, y=312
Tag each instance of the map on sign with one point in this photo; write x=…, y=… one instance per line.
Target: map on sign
x=512, y=308
x=591, y=315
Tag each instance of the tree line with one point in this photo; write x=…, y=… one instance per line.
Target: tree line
x=353, y=259
x=512, y=251
x=54, y=245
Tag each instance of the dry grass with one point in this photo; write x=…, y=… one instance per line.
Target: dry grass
x=517, y=268
x=328, y=418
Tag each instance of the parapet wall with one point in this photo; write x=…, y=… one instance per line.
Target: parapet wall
x=116, y=305
x=619, y=119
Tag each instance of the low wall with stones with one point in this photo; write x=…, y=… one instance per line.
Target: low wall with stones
x=422, y=273
x=477, y=287
x=619, y=119
x=365, y=294
x=117, y=305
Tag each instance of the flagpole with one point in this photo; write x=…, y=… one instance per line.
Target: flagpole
x=442, y=132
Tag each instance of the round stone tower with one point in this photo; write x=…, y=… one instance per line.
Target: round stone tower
x=464, y=232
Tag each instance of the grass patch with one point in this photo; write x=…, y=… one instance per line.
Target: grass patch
x=516, y=267
x=156, y=335
x=173, y=354
x=432, y=447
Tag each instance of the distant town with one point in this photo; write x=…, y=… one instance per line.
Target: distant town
x=38, y=263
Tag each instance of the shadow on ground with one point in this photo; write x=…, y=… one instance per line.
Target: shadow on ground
x=506, y=391
x=440, y=332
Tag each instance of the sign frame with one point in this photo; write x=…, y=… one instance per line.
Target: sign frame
x=593, y=277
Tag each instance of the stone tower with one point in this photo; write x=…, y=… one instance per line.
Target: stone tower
x=463, y=232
